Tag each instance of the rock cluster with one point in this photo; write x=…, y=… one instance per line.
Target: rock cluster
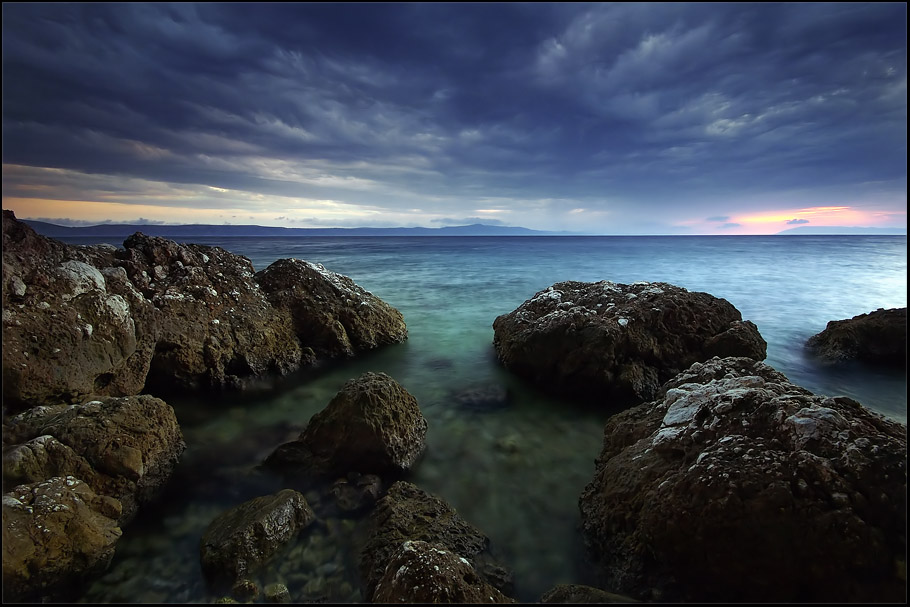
x=879, y=337
x=618, y=343
x=164, y=317
x=736, y=475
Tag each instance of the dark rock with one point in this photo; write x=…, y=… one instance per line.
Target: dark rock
x=330, y=314
x=373, y=425
x=425, y=573
x=577, y=593
x=408, y=513
x=124, y=447
x=162, y=317
x=239, y=541
x=618, y=343
x=737, y=475
x=879, y=337
x=482, y=398
x=57, y=535
x=357, y=492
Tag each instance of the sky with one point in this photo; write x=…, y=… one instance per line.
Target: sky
x=618, y=118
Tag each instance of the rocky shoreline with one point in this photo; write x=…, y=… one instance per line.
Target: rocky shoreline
x=719, y=480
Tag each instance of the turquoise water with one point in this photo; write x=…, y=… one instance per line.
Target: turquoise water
x=515, y=472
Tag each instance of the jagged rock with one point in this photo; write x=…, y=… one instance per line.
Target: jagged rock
x=879, y=337
x=408, y=513
x=736, y=475
x=372, y=425
x=579, y=594
x=158, y=316
x=123, y=447
x=618, y=343
x=239, y=541
x=331, y=315
x=424, y=573
x=57, y=535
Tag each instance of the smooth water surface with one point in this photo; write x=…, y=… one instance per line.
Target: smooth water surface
x=515, y=472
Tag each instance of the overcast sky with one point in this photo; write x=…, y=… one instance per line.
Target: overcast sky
x=603, y=118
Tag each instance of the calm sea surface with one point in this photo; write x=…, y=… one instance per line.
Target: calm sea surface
x=515, y=472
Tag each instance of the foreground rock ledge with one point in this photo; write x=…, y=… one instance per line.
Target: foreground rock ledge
x=879, y=337
x=618, y=343
x=160, y=317
x=737, y=475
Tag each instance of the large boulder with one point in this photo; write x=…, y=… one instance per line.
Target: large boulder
x=331, y=315
x=372, y=425
x=879, y=337
x=424, y=573
x=57, y=535
x=72, y=325
x=737, y=485
x=122, y=447
x=242, y=539
x=160, y=317
x=407, y=513
x=618, y=343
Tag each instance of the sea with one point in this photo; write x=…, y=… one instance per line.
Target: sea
x=514, y=469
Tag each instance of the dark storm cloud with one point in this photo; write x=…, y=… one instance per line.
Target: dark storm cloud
x=404, y=105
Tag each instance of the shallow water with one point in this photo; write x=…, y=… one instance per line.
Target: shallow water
x=515, y=472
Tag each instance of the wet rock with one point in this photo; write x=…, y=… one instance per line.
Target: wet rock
x=736, y=475
x=408, y=513
x=879, y=337
x=330, y=314
x=372, y=425
x=57, y=535
x=618, y=343
x=580, y=594
x=357, y=492
x=426, y=573
x=277, y=593
x=245, y=590
x=123, y=447
x=239, y=541
x=482, y=397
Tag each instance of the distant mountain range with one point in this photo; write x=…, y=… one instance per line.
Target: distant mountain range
x=122, y=230
x=844, y=231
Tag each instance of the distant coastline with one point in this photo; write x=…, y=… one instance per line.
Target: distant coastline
x=123, y=230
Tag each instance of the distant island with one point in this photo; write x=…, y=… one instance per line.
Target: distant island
x=122, y=230
x=843, y=231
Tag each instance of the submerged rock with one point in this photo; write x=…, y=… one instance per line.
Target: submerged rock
x=618, y=343
x=879, y=337
x=407, y=513
x=484, y=397
x=57, y=535
x=580, y=594
x=372, y=425
x=125, y=448
x=736, y=475
x=239, y=541
x=426, y=573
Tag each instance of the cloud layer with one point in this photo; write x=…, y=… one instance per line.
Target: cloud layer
x=613, y=118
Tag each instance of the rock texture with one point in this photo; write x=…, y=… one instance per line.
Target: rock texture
x=373, y=425
x=239, y=541
x=879, y=337
x=125, y=448
x=407, y=513
x=331, y=315
x=425, y=573
x=618, y=343
x=736, y=475
x=56, y=534
x=160, y=316
x=579, y=594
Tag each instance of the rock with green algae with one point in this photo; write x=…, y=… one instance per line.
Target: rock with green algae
x=277, y=593
x=242, y=539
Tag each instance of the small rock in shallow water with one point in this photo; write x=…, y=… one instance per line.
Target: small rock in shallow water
x=277, y=593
